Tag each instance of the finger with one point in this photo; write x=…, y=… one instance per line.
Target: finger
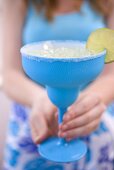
x=52, y=109
x=81, y=131
x=35, y=135
x=52, y=115
x=93, y=114
x=86, y=104
x=83, y=106
x=81, y=96
x=40, y=130
x=56, y=115
x=53, y=123
x=41, y=138
x=37, y=138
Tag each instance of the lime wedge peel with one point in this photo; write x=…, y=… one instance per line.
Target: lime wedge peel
x=100, y=40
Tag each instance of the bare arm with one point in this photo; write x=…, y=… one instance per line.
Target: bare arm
x=104, y=85
x=16, y=84
x=85, y=115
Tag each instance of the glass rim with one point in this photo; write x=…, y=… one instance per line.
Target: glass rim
x=24, y=51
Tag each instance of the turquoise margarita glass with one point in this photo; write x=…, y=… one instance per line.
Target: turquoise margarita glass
x=63, y=78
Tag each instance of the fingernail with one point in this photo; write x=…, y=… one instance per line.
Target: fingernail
x=60, y=126
x=63, y=135
x=59, y=134
x=37, y=139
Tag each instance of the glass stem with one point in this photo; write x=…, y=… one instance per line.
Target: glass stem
x=62, y=111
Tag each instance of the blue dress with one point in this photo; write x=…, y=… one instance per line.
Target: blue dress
x=21, y=153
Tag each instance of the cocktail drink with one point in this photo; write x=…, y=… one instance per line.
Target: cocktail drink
x=64, y=68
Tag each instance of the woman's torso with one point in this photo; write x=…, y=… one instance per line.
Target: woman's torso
x=75, y=26
x=71, y=26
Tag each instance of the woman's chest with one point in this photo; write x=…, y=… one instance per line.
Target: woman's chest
x=70, y=27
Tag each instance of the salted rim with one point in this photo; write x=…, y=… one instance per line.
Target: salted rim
x=24, y=51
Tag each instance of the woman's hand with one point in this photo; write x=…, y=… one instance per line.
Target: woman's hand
x=83, y=117
x=43, y=119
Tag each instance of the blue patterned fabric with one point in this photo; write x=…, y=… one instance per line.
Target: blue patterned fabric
x=21, y=153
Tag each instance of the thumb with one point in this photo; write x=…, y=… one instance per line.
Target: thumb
x=40, y=130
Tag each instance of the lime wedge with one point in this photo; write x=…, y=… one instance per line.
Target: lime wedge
x=100, y=40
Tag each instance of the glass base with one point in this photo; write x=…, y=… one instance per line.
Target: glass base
x=62, y=152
